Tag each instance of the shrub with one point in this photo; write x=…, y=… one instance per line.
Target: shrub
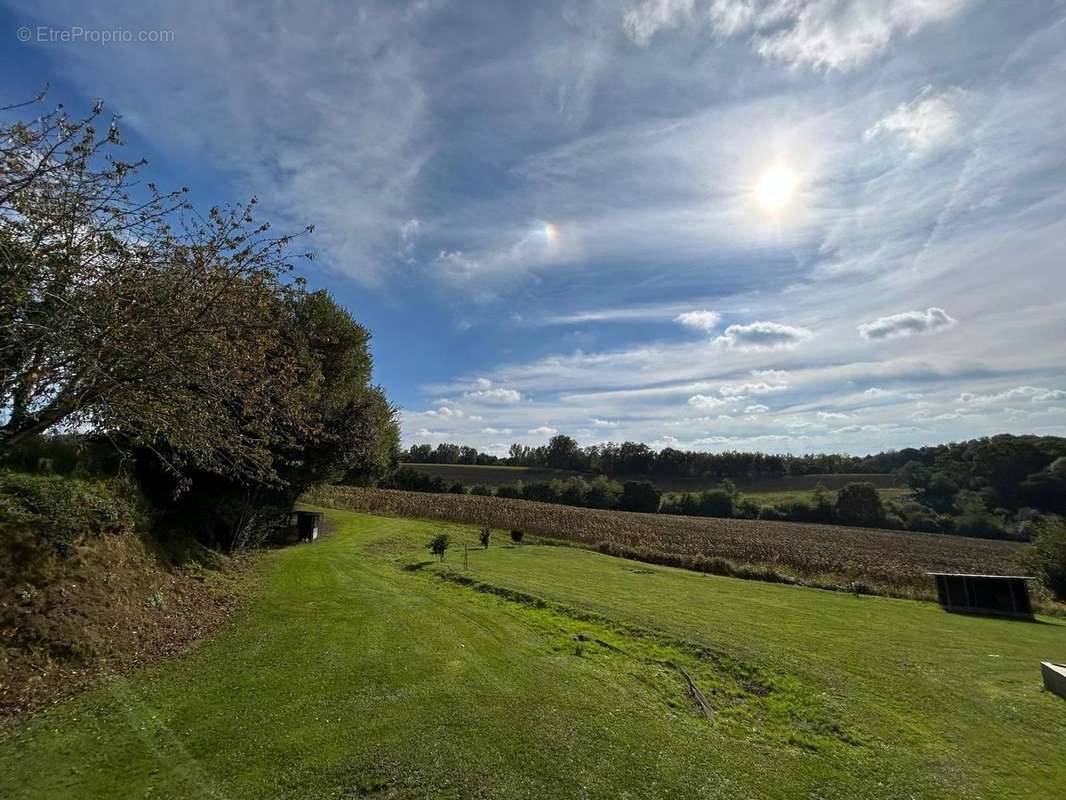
x=745, y=508
x=1047, y=556
x=798, y=511
x=984, y=525
x=603, y=493
x=517, y=535
x=685, y=504
x=481, y=490
x=772, y=513
x=60, y=510
x=716, y=503
x=412, y=480
x=640, y=496
x=860, y=504
x=894, y=522
x=439, y=545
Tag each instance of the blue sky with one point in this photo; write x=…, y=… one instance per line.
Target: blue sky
x=735, y=224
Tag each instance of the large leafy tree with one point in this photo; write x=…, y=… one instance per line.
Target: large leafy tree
x=124, y=311
x=182, y=337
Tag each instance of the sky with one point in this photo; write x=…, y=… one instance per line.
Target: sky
x=834, y=225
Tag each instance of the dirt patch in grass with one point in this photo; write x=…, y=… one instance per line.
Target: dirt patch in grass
x=116, y=604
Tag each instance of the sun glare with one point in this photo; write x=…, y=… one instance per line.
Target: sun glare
x=551, y=233
x=776, y=187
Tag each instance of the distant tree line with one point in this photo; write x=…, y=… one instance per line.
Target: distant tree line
x=634, y=459
x=993, y=487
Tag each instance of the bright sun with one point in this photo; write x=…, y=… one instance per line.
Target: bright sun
x=776, y=187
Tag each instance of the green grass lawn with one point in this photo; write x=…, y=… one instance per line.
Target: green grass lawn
x=361, y=668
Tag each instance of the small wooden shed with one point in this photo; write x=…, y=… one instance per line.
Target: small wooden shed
x=1002, y=595
x=307, y=524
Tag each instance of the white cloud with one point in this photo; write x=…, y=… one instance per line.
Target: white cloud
x=833, y=415
x=835, y=34
x=643, y=20
x=924, y=124
x=829, y=34
x=739, y=390
x=496, y=394
x=543, y=430
x=1049, y=396
x=876, y=391
x=496, y=431
x=758, y=408
x=426, y=433
x=706, y=401
x=907, y=323
x=409, y=231
x=604, y=423
x=1035, y=394
x=763, y=336
x=446, y=412
x=702, y=320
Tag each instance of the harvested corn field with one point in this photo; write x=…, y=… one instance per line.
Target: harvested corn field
x=879, y=561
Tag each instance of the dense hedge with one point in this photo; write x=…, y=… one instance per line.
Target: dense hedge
x=56, y=511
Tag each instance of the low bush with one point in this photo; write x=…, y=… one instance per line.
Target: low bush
x=860, y=504
x=640, y=496
x=57, y=511
x=772, y=513
x=1047, y=556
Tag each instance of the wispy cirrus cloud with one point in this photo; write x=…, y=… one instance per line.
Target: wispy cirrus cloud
x=930, y=120
x=829, y=34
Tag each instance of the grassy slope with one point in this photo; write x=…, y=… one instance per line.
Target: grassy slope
x=350, y=675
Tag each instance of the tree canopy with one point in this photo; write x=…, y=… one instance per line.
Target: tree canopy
x=184, y=338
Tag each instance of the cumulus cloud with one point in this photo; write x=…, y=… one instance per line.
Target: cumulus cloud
x=496, y=394
x=426, y=433
x=447, y=412
x=604, y=423
x=907, y=323
x=758, y=408
x=826, y=34
x=702, y=320
x=738, y=390
x=1034, y=394
x=706, y=401
x=833, y=415
x=926, y=123
x=763, y=336
x=497, y=431
x=543, y=430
